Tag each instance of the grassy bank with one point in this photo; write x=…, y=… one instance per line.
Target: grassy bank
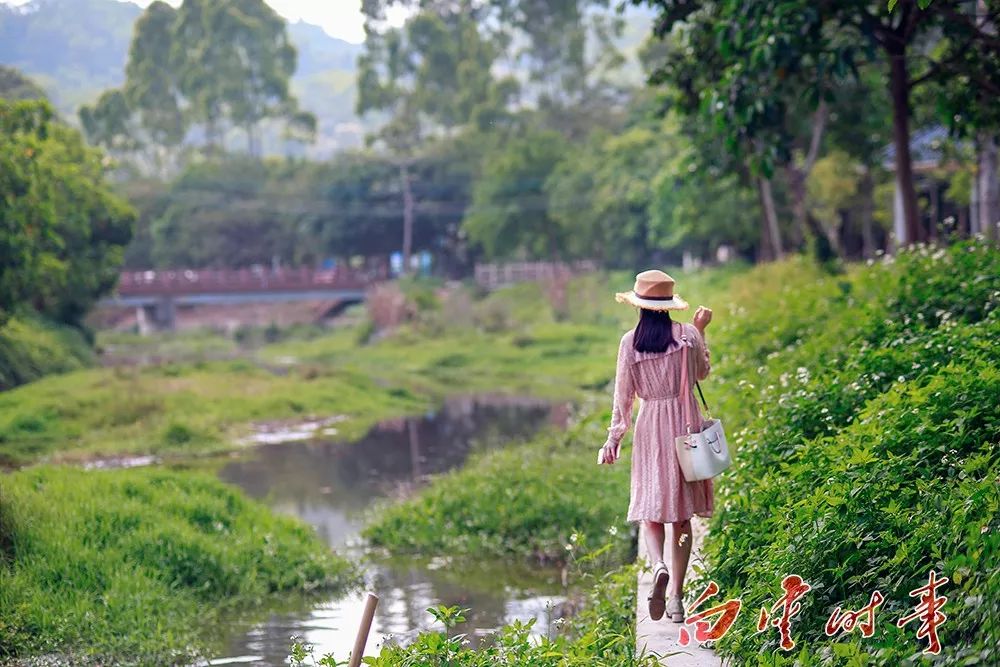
x=863, y=411
x=511, y=341
x=132, y=566
x=31, y=348
x=870, y=456
x=534, y=501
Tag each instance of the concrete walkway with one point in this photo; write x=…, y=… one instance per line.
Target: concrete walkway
x=660, y=637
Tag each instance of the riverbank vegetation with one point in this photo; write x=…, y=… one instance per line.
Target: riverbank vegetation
x=31, y=348
x=458, y=342
x=854, y=402
x=129, y=566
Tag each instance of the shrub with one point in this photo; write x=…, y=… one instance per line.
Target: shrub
x=31, y=347
x=524, y=501
x=136, y=564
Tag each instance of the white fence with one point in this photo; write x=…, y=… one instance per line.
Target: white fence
x=492, y=276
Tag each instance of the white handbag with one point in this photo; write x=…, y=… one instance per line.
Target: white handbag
x=703, y=454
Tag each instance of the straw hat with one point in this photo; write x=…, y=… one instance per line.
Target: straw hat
x=653, y=290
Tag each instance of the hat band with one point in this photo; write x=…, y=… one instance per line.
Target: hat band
x=653, y=298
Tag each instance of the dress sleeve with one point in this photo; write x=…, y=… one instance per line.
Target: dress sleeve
x=621, y=412
x=700, y=362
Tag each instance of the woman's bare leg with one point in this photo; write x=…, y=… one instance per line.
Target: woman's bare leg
x=654, y=534
x=680, y=554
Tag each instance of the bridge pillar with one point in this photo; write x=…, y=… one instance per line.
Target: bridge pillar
x=158, y=316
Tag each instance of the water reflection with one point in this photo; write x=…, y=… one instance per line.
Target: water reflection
x=331, y=485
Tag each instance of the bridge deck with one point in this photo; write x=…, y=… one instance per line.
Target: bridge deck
x=178, y=282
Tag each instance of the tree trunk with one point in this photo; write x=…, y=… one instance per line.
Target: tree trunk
x=800, y=211
x=988, y=187
x=900, y=87
x=404, y=175
x=212, y=133
x=867, y=187
x=798, y=176
x=770, y=231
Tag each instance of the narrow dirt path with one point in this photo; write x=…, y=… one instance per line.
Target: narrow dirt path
x=660, y=637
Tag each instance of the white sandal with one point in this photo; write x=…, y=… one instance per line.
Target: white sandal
x=675, y=609
x=657, y=597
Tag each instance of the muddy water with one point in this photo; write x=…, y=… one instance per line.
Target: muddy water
x=333, y=486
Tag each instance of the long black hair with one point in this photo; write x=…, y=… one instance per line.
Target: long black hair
x=655, y=331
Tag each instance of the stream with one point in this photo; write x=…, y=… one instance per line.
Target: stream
x=333, y=487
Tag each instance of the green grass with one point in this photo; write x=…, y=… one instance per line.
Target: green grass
x=31, y=348
x=534, y=501
x=179, y=409
x=133, y=565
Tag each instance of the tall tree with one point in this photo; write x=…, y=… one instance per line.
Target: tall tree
x=218, y=64
x=260, y=59
x=430, y=76
x=152, y=89
x=968, y=88
x=109, y=123
x=813, y=39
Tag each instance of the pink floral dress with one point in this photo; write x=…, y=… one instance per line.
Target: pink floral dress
x=659, y=491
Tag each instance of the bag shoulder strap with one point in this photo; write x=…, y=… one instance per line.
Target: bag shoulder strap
x=700, y=394
x=684, y=372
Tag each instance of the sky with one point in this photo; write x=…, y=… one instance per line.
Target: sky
x=339, y=18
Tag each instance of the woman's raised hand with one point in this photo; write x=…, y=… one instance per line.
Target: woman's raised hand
x=702, y=317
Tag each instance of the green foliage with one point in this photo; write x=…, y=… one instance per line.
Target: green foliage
x=510, y=210
x=31, y=348
x=602, y=634
x=235, y=212
x=238, y=211
x=133, y=563
x=601, y=194
x=63, y=230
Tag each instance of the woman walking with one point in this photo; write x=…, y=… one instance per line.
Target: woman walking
x=651, y=364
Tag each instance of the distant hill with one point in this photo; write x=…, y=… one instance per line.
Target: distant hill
x=75, y=49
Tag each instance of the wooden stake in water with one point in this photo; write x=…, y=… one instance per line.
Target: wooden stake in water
x=363, y=630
